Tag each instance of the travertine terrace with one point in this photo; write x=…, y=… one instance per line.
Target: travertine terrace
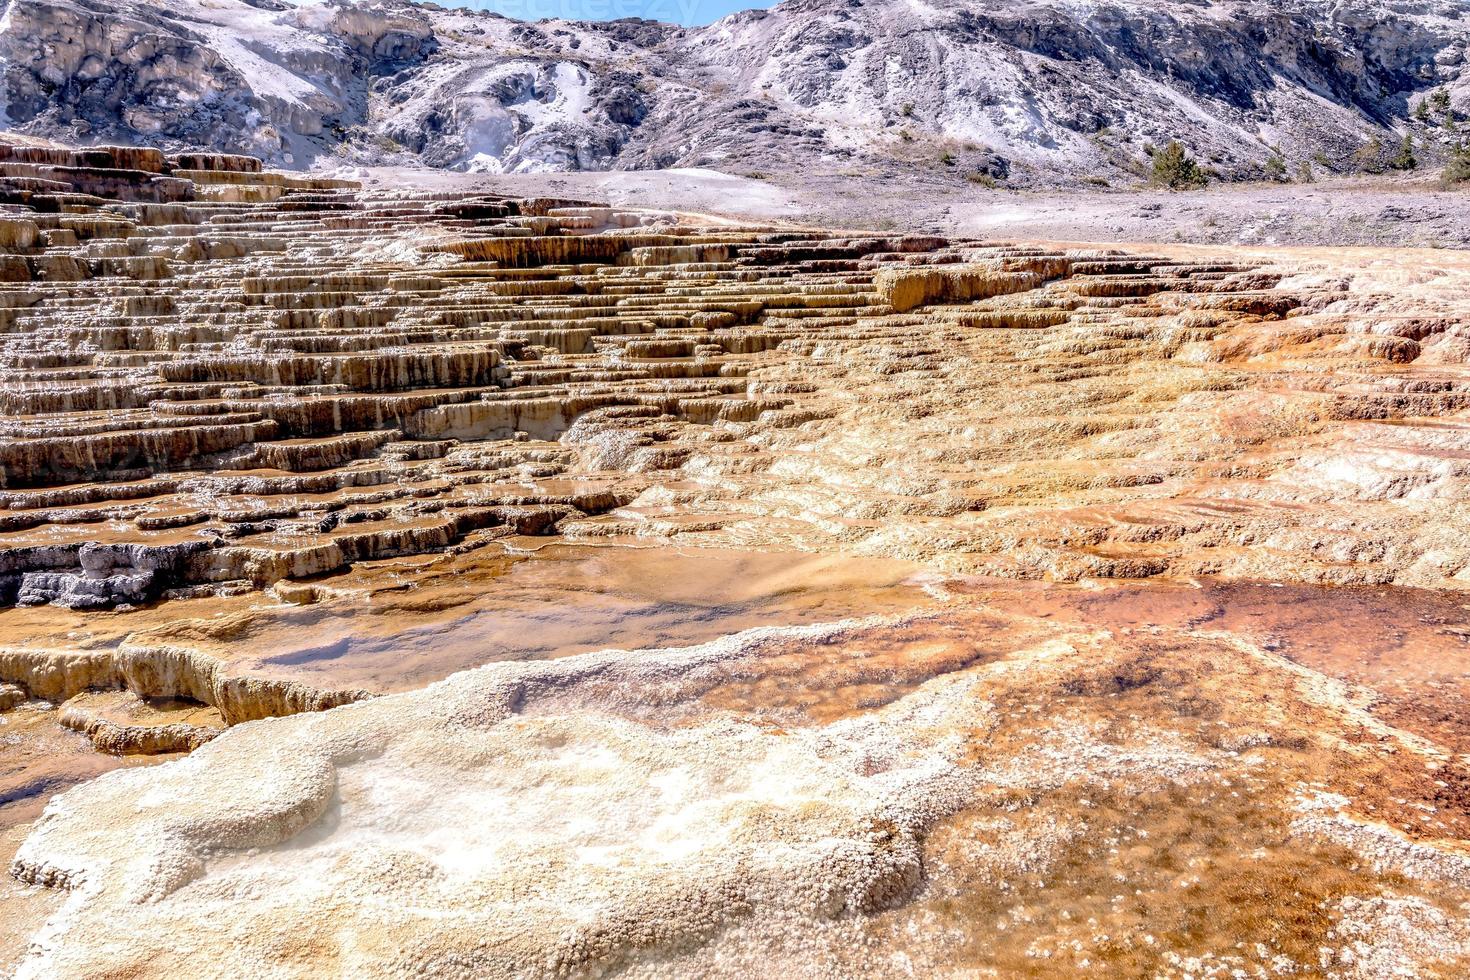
x=1055, y=610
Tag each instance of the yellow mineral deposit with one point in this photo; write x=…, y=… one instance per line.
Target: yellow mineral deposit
x=404, y=583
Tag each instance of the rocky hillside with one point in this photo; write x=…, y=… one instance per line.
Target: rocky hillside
x=1031, y=92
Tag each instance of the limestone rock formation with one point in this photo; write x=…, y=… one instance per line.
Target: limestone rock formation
x=222, y=377
x=1143, y=641
x=1049, y=90
x=554, y=820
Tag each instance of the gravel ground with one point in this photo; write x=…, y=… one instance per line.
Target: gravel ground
x=1378, y=212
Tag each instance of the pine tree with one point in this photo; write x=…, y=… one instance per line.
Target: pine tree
x=1439, y=102
x=1457, y=168
x=1175, y=169
x=1404, y=159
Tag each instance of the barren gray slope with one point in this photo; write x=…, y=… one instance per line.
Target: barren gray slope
x=1047, y=91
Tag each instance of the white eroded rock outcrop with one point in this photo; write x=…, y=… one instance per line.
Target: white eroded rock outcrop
x=510, y=820
x=612, y=813
x=1038, y=92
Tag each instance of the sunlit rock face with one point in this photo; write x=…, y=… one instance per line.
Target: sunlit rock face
x=1039, y=92
x=523, y=587
x=264, y=378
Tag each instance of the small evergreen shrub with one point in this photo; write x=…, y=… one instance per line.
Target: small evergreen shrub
x=1175, y=169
